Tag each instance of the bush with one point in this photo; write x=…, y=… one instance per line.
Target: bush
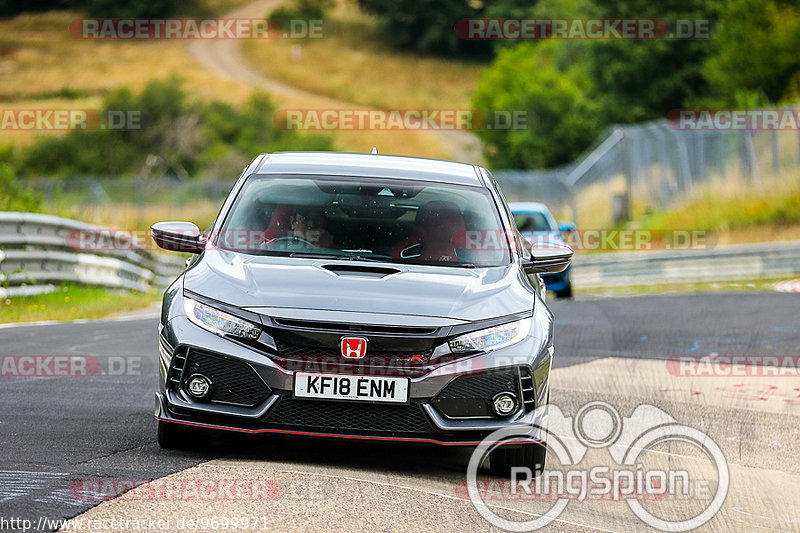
x=108, y=8
x=562, y=118
x=177, y=137
x=426, y=26
x=304, y=10
x=576, y=89
x=13, y=195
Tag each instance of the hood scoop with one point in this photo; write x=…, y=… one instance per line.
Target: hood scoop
x=361, y=271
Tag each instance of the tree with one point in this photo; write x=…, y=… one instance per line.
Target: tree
x=755, y=54
x=562, y=119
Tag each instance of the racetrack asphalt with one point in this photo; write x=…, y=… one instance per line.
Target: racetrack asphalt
x=58, y=432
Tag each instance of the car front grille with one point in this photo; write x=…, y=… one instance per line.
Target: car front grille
x=233, y=382
x=291, y=351
x=349, y=416
x=298, y=357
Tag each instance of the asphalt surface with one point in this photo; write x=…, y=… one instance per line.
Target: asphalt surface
x=58, y=433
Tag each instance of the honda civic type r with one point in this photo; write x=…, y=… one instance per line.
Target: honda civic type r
x=359, y=296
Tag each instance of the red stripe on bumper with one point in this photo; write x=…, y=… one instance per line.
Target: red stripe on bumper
x=361, y=437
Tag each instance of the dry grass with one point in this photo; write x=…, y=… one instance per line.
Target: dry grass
x=40, y=62
x=132, y=217
x=350, y=63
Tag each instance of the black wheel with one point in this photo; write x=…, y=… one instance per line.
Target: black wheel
x=172, y=436
x=521, y=455
x=566, y=292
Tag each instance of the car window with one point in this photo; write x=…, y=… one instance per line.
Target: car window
x=381, y=219
x=532, y=222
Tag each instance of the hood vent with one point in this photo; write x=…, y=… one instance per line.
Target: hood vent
x=364, y=271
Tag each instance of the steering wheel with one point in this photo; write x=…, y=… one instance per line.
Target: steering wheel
x=290, y=238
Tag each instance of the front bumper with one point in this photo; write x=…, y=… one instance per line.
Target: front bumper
x=273, y=409
x=530, y=424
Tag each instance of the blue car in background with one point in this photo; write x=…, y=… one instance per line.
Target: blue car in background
x=536, y=223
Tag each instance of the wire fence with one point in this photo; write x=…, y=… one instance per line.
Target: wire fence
x=639, y=168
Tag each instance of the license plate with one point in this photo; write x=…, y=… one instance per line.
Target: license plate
x=338, y=387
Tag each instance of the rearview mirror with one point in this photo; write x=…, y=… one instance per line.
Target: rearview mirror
x=178, y=237
x=547, y=258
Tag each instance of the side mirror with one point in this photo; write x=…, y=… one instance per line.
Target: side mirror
x=548, y=258
x=566, y=227
x=178, y=237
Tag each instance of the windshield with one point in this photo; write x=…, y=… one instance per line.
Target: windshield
x=370, y=219
x=532, y=222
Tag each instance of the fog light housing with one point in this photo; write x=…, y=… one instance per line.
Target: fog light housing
x=504, y=403
x=198, y=385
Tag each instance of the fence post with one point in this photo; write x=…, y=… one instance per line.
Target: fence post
x=621, y=204
x=775, y=160
x=750, y=154
x=683, y=160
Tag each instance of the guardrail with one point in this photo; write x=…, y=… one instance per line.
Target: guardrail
x=724, y=263
x=37, y=251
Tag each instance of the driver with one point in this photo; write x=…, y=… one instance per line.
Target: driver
x=308, y=223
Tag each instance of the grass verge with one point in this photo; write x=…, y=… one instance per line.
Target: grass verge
x=757, y=285
x=71, y=302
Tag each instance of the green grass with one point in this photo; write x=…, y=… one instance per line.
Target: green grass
x=70, y=302
x=717, y=212
x=757, y=285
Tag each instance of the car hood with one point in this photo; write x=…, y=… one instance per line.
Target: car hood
x=463, y=294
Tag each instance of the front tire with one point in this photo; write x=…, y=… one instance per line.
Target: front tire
x=531, y=456
x=171, y=436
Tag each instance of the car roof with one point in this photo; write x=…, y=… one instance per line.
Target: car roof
x=522, y=207
x=369, y=166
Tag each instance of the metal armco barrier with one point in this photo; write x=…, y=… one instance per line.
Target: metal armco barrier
x=37, y=251
x=723, y=263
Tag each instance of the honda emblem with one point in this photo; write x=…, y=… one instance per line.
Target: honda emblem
x=354, y=347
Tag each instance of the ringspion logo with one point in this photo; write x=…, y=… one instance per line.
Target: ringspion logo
x=598, y=425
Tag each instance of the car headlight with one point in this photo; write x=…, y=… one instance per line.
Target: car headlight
x=217, y=321
x=491, y=338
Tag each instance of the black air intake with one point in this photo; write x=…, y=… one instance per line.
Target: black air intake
x=233, y=382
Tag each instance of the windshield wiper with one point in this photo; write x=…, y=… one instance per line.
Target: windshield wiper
x=312, y=255
x=356, y=257
x=338, y=257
